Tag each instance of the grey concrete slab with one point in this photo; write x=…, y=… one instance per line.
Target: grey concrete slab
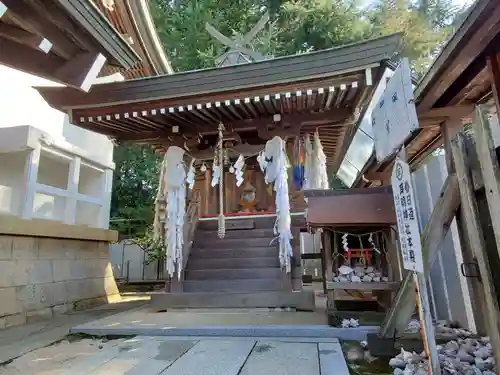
x=281, y=358
x=212, y=358
x=331, y=359
x=148, y=367
x=241, y=338
x=16, y=341
x=303, y=300
x=91, y=363
x=311, y=331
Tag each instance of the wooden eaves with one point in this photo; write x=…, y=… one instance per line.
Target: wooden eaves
x=66, y=41
x=458, y=79
x=325, y=90
x=133, y=20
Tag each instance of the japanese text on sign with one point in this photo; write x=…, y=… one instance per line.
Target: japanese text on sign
x=404, y=204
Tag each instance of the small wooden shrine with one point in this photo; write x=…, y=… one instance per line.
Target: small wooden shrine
x=239, y=136
x=360, y=260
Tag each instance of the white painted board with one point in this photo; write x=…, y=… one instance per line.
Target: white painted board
x=406, y=213
x=394, y=117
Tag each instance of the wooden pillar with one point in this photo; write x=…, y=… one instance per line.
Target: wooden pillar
x=326, y=258
x=205, y=195
x=489, y=168
x=494, y=73
x=475, y=237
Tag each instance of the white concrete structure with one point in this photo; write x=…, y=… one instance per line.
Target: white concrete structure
x=49, y=168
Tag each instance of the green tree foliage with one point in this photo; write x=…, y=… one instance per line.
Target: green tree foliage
x=424, y=25
x=296, y=26
x=135, y=183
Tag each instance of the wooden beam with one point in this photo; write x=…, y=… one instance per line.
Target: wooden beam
x=242, y=125
x=266, y=134
x=328, y=258
x=466, y=55
x=24, y=37
x=347, y=285
x=490, y=169
x=452, y=112
x=82, y=70
x=475, y=236
x=403, y=306
x=378, y=176
x=494, y=73
x=28, y=59
x=28, y=18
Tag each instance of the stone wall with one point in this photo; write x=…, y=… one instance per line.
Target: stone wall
x=43, y=277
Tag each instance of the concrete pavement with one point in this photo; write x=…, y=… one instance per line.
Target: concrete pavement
x=183, y=356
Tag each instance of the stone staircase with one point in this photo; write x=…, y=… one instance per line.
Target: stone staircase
x=241, y=270
x=243, y=261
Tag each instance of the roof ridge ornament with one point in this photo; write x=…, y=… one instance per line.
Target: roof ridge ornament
x=237, y=52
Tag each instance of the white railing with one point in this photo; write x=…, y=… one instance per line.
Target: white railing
x=67, y=209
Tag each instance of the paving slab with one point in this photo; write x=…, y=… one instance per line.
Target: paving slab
x=212, y=358
x=16, y=341
x=331, y=359
x=282, y=358
x=231, y=323
x=167, y=356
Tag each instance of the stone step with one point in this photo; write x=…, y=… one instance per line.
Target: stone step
x=236, y=273
x=303, y=300
x=202, y=235
x=232, y=243
x=226, y=263
x=247, y=252
x=235, y=285
x=240, y=223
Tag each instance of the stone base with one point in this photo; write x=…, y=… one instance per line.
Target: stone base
x=44, y=277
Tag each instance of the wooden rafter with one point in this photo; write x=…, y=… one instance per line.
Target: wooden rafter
x=24, y=37
x=24, y=16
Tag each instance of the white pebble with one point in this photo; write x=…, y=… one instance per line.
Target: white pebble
x=353, y=323
x=344, y=270
x=397, y=363
x=464, y=356
x=355, y=279
x=482, y=352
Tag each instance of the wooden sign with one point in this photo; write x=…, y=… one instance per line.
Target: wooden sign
x=406, y=214
x=394, y=117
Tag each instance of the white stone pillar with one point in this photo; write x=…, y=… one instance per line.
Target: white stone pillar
x=29, y=183
x=72, y=187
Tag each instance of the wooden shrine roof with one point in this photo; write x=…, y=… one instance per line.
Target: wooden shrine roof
x=457, y=80
x=133, y=20
x=59, y=39
x=324, y=90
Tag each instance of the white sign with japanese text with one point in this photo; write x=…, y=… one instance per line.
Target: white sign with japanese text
x=404, y=203
x=394, y=117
